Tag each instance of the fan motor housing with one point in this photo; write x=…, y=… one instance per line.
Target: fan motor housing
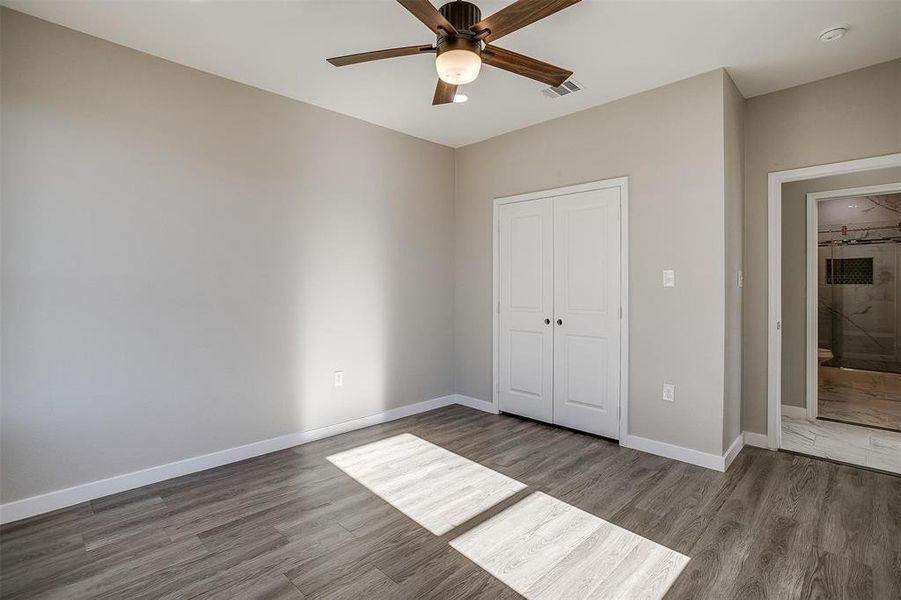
x=462, y=15
x=457, y=43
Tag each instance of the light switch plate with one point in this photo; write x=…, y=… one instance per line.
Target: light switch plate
x=669, y=392
x=669, y=278
x=339, y=378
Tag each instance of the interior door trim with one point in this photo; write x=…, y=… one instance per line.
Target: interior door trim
x=619, y=182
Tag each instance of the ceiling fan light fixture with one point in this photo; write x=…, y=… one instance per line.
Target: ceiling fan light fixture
x=464, y=40
x=458, y=66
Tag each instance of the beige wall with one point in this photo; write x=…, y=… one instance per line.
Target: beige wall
x=849, y=116
x=733, y=136
x=794, y=271
x=187, y=260
x=670, y=143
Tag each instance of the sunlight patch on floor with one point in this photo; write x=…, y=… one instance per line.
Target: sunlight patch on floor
x=433, y=486
x=546, y=549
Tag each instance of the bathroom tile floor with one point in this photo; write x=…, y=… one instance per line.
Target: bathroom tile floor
x=860, y=397
x=864, y=446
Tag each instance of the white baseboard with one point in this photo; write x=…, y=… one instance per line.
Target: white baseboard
x=733, y=451
x=35, y=505
x=695, y=457
x=717, y=462
x=758, y=440
x=475, y=403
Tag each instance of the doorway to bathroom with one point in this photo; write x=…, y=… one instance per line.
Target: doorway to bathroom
x=854, y=306
x=834, y=339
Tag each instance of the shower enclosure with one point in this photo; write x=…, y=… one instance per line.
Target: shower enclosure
x=859, y=288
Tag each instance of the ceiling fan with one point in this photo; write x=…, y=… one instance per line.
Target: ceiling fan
x=465, y=41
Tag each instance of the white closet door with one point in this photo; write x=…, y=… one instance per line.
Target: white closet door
x=526, y=295
x=587, y=311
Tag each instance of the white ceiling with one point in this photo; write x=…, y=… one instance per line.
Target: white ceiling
x=614, y=48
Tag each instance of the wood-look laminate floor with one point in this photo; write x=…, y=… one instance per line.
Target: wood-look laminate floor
x=436, y=488
x=547, y=549
x=293, y=525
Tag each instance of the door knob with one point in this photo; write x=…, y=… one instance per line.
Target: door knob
x=547, y=321
x=559, y=321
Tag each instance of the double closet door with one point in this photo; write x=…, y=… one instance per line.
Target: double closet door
x=559, y=310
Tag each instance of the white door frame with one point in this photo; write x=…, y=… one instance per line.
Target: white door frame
x=774, y=267
x=623, y=184
x=812, y=290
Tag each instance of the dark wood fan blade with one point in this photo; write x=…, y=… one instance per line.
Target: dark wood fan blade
x=351, y=59
x=525, y=66
x=518, y=15
x=444, y=93
x=426, y=12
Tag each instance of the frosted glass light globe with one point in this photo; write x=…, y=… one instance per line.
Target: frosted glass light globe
x=458, y=67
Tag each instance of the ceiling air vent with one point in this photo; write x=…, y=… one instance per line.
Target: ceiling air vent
x=567, y=87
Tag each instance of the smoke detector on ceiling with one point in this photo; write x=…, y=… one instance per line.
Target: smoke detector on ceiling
x=832, y=34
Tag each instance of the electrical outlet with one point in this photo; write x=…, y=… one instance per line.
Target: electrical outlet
x=740, y=277
x=669, y=392
x=339, y=378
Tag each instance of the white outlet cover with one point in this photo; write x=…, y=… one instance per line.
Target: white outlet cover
x=669, y=392
x=339, y=378
x=669, y=278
